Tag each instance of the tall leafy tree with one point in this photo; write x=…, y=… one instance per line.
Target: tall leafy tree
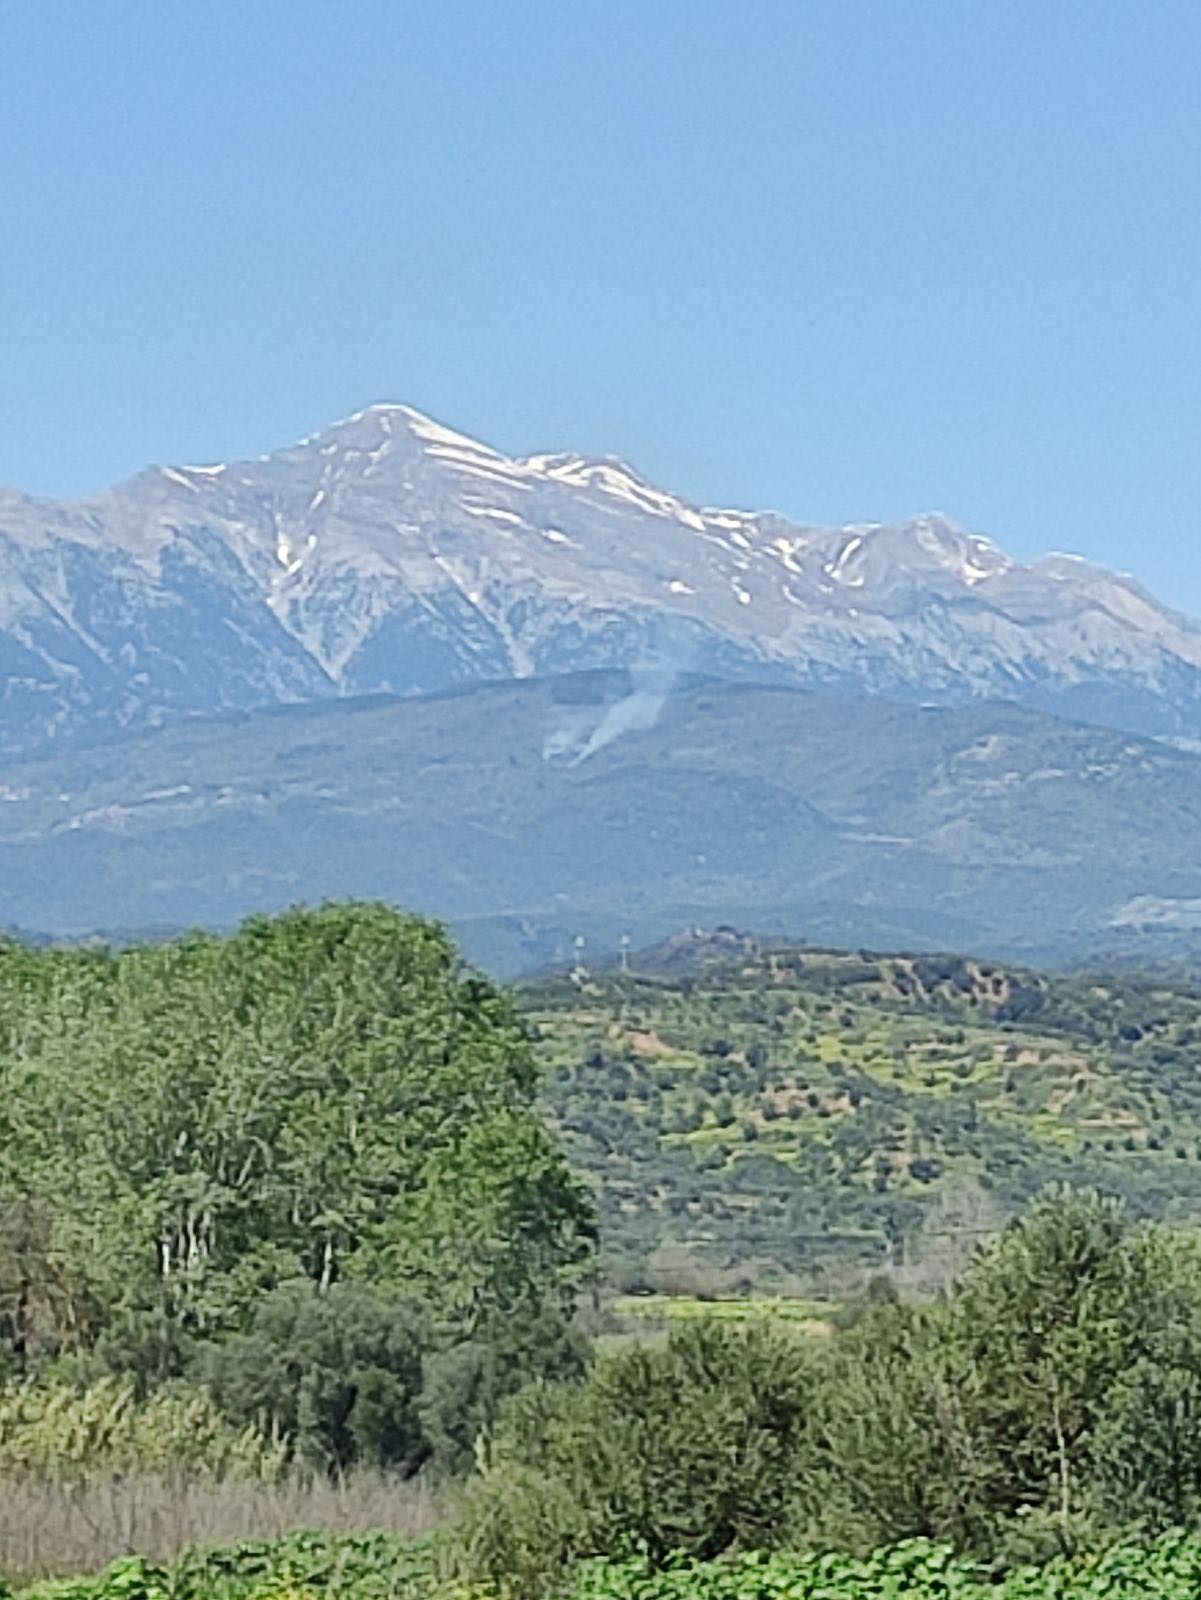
x=325, y=1095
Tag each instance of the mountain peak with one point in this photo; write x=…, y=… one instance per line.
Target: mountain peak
x=391, y=552
x=392, y=420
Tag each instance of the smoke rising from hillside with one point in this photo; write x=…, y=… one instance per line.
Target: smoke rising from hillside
x=636, y=712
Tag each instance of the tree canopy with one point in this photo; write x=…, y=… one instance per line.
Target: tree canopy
x=324, y=1096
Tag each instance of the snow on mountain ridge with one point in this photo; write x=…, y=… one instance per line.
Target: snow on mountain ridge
x=390, y=551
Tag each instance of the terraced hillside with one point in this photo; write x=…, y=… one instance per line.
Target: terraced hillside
x=763, y=1117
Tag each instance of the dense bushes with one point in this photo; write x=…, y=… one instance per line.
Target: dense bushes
x=67, y=1433
x=378, y=1567
x=358, y=1377
x=337, y=1374
x=1049, y=1404
x=1167, y=1570
x=1001, y=1418
x=286, y=1201
x=373, y=1566
x=694, y=1446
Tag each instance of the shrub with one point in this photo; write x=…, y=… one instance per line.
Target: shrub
x=695, y=1446
x=464, y=1383
x=58, y=1431
x=1167, y=1570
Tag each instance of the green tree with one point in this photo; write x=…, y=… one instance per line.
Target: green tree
x=1045, y=1321
x=1145, y=1450
x=899, y=1449
x=325, y=1095
x=464, y=1383
x=337, y=1376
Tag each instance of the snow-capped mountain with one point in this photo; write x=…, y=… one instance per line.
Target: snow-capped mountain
x=391, y=553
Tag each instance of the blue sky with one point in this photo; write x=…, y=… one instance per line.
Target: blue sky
x=847, y=259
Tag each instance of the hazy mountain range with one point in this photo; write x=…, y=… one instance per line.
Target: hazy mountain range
x=546, y=700
x=391, y=554
x=531, y=812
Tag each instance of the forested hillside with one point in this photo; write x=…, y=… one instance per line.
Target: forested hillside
x=752, y=1114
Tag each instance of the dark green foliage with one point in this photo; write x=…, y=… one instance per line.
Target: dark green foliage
x=463, y=1383
x=1046, y=1321
x=1145, y=1453
x=914, y=1570
x=1047, y=1405
x=379, y=1567
x=697, y=1445
x=1048, y=1399
x=338, y=1374
x=897, y=1458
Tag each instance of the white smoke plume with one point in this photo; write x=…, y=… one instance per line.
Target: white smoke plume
x=636, y=712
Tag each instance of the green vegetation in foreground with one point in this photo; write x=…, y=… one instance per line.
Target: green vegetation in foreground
x=367, y=1566
x=1169, y=1569
x=790, y=1119
x=282, y=1206
x=299, y=1171
x=375, y=1567
x=1050, y=1404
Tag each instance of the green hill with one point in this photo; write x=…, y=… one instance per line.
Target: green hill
x=768, y=1117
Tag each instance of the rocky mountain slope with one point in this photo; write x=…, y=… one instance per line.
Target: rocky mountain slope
x=530, y=813
x=389, y=553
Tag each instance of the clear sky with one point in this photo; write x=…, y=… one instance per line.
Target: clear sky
x=847, y=258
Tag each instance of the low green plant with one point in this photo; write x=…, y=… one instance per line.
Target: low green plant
x=308, y=1566
x=1169, y=1569
x=370, y=1566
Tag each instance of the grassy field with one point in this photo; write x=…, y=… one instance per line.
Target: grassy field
x=807, y=1316
x=643, y=1318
